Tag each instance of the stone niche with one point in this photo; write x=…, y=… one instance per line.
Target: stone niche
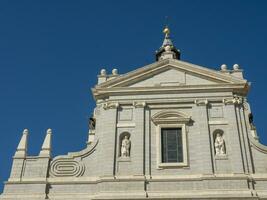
x=221, y=154
x=124, y=166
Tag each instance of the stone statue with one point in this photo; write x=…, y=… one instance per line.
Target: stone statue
x=92, y=122
x=125, y=147
x=219, y=145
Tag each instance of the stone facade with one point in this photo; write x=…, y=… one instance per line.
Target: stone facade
x=204, y=103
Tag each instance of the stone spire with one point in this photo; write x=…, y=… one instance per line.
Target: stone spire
x=21, y=151
x=167, y=50
x=46, y=147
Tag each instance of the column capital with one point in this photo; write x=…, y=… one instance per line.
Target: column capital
x=201, y=102
x=139, y=104
x=233, y=101
x=111, y=105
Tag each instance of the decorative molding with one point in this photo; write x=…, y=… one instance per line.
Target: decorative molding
x=221, y=157
x=111, y=105
x=201, y=102
x=235, y=100
x=137, y=104
x=218, y=122
x=125, y=125
x=155, y=178
x=170, y=105
x=124, y=159
x=170, y=117
x=64, y=167
x=100, y=93
x=257, y=145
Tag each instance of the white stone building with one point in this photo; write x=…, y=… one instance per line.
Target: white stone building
x=168, y=130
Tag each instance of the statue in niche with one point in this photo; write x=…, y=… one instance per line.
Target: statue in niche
x=125, y=146
x=219, y=145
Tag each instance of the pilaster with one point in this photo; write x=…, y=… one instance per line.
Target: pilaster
x=201, y=120
x=106, y=126
x=235, y=150
x=138, y=139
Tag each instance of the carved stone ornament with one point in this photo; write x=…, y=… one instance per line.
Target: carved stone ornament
x=110, y=105
x=201, y=102
x=235, y=100
x=219, y=145
x=66, y=167
x=170, y=117
x=139, y=104
x=71, y=165
x=125, y=147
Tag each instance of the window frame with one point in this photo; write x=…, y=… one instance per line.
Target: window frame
x=160, y=164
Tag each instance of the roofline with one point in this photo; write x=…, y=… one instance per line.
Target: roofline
x=147, y=71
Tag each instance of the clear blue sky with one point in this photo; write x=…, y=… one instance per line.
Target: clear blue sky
x=52, y=51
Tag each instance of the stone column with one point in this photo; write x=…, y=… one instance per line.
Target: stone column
x=138, y=142
x=201, y=118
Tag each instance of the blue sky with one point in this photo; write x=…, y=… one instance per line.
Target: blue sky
x=52, y=51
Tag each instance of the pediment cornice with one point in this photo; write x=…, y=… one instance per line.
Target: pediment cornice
x=154, y=68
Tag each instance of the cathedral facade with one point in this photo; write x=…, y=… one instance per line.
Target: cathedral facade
x=168, y=130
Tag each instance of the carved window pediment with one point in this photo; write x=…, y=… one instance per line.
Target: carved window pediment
x=170, y=117
x=174, y=123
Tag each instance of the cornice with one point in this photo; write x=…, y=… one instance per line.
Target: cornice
x=241, y=88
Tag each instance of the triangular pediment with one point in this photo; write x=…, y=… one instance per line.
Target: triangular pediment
x=171, y=73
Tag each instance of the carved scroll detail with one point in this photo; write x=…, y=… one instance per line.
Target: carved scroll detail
x=71, y=165
x=66, y=167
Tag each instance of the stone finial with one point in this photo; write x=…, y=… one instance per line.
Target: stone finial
x=223, y=67
x=102, y=77
x=114, y=72
x=21, y=151
x=167, y=49
x=236, y=67
x=103, y=72
x=46, y=147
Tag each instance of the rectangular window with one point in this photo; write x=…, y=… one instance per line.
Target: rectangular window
x=172, y=145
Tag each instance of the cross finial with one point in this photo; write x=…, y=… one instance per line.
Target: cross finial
x=166, y=30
